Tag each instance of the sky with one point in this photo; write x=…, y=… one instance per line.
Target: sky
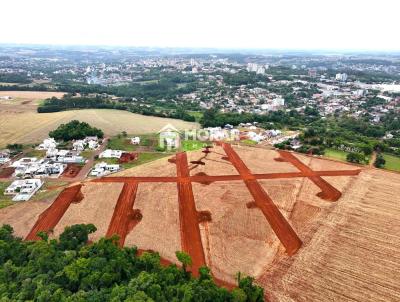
x=266, y=24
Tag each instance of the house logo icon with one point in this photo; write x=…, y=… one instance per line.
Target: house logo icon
x=169, y=137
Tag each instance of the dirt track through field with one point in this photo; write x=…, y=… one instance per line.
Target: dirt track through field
x=49, y=218
x=123, y=219
x=188, y=215
x=278, y=223
x=328, y=192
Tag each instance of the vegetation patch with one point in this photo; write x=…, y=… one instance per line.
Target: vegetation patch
x=391, y=162
x=69, y=269
x=5, y=200
x=336, y=154
x=192, y=145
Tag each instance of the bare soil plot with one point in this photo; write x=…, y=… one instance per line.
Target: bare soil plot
x=237, y=238
x=159, y=167
x=6, y=172
x=97, y=207
x=22, y=216
x=158, y=229
x=71, y=171
x=263, y=162
x=215, y=162
x=354, y=253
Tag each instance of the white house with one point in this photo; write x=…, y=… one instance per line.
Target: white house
x=111, y=153
x=93, y=145
x=102, y=169
x=4, y=156
x=135, y=140
x=48, y=143
x=79, y=145
x=23, y=189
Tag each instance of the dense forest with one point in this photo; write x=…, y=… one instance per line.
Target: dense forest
x=70, y=269
x=70, y=102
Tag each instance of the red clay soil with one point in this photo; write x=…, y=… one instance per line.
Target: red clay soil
x=71, y=171
x=49, y=218
x=328, y=192
x=188, y=216
x=124, y=218
x=6, y=172
x=278, y=223
x=127, y=157
x=130, y=179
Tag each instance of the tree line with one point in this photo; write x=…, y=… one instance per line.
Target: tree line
x=70, y=269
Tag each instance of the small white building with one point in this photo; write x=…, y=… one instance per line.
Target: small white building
x=4, y=156
x=135, y=140
x=79, y=145
x=23, y=189
x=111, y=154
x=48, y=143
x=102, y=169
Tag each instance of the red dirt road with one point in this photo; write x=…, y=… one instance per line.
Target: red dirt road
x=328, y=192
x=188, y=216
x=49, y=218
x=278, y=223
x=123, y=219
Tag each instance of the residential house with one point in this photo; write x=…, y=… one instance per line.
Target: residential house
x=108, y=153
x=102, y=169
x=4, y=156
x=23, y=189
x=48, y=143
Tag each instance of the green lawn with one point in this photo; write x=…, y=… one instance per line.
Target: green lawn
x=124, y=144
x=5, y=201
x=191, y=145
x=87, y=153
x=120, y=143
x=336, y=154
x=144, y=157
x=392, y=162
x=248, y=142
x=45, y=194
x=35, y=153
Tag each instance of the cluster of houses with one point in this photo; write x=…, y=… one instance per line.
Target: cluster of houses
x=32, y=167
x=23, y=189
x=68, y=156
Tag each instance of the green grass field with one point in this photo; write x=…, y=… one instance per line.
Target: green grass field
x=144, y=158
x=5, y=201
x=392, y=162
x=192, y=145
x=248, y=142
x=120, y=143
x=336, y=154
x=124, y=144
x=35, y=153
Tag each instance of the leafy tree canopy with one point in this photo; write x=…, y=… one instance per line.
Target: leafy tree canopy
x=70, y=269
x=75, y=130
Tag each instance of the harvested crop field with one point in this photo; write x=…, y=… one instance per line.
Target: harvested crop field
x=307, y=229
x=20, y=123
